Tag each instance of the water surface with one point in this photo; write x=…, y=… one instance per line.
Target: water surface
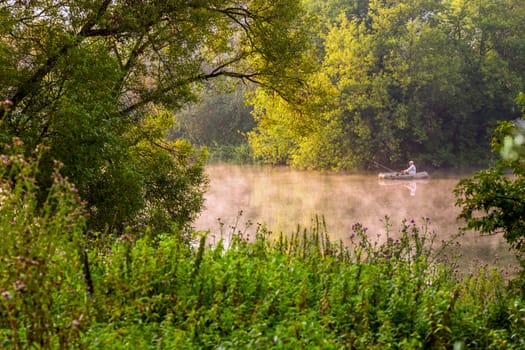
x=282, y=199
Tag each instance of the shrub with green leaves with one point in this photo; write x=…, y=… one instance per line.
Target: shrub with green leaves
x=492, y=200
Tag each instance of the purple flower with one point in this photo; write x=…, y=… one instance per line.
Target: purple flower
x=20, y=286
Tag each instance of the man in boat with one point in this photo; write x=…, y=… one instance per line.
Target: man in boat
x=411, y=170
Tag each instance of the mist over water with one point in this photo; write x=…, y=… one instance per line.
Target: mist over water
x=282, y=199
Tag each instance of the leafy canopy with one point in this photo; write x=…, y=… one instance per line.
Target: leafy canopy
x=87, y=78
x=397, y=80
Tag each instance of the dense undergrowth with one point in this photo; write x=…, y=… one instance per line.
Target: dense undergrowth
x=61, y=288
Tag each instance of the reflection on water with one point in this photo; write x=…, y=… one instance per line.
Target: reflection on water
x=412, y=186
x=282, y=199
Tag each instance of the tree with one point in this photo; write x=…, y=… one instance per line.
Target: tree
x=493, y=201
x=87, y=77
x=218, y=118
x=420, y=80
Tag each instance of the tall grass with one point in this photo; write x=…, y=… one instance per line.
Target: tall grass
x=61, y=290
x=42, y=283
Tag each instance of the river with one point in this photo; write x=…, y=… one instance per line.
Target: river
x=282, y=198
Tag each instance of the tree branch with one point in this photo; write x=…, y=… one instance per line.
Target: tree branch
x=35, y=80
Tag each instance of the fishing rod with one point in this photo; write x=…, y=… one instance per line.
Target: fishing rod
x=381, y=165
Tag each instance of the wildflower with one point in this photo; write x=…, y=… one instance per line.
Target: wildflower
x=5, y=105
x=6, y=295
x=20, y=286
x=125, y=237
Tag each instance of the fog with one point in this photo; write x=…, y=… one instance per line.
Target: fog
x=282, y=199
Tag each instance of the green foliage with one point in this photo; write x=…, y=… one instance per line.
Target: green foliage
x=218, y=118
x=297, y=291
x=43, y=300
x=173, y=184
x=492, y=201
x=271, y=141
x=510, y=139
x=218, y=121
x=236, y=154
x=420, y=80
x=82, y=76
x=289, y=133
